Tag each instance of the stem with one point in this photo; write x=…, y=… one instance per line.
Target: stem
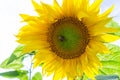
x=30, y=69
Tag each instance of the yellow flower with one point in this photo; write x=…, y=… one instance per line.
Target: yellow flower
x=67, y=37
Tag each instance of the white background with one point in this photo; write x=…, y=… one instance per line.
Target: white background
x=10, y=23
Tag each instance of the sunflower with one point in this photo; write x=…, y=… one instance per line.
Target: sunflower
x=67, y=37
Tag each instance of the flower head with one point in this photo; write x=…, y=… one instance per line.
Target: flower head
x=67, y=37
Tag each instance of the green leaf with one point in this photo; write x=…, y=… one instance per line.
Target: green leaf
x=10, y=74
x=15, y=60
x=17, y=64
x=37, y=76
x=13, y=74
x=110, y=77
x=24, y=77
x=22, y=72
x=113, y=24
x=17, y=53
x=110, y=62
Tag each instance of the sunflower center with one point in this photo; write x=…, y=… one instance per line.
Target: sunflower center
x=68, y=37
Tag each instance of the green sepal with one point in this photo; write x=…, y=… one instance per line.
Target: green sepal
x=37, y=76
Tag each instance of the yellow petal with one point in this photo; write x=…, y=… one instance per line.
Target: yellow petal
x=51, y=13
x=31, y=20
x=109, y=38
x=37, y=7
x=68, y=7
x=57, y=7
x=28, y=17
x=101, y=30
x=82, y=14
x=59, y=74
x=84, y=4
x=69, y=78
x=107, y=12
x=96, y=45
x=95, y=6
x=100, y=23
